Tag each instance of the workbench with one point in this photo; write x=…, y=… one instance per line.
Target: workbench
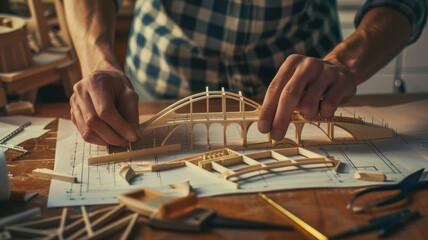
x=323, y=209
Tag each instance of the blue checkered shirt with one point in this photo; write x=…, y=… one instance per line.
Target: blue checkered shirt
x=178, y=47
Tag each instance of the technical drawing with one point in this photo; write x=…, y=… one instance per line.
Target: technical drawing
x=218, y=160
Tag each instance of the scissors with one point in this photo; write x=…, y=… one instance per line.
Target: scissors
x=387, y=224
x=408, y=184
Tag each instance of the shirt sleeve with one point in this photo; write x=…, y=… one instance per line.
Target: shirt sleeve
x=414, y=10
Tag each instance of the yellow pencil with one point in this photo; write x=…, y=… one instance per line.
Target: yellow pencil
x=299, y=224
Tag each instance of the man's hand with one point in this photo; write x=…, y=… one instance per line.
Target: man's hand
x=312, y=85
x=103, y=107
x=316, y=86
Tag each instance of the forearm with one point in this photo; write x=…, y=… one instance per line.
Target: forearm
x=382, y=34
x=91, y=24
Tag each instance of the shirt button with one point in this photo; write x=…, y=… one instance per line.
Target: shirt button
x=238, y=50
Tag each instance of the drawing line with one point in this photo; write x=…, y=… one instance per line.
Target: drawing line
x=382, y=157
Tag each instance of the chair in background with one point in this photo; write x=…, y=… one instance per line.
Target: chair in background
x=22, y=73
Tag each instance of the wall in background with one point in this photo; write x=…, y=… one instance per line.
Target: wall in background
x=414, y=66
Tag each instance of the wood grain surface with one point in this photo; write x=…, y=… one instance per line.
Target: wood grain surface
x=324, y=209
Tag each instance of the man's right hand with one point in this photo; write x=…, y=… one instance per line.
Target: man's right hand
x=104, y=107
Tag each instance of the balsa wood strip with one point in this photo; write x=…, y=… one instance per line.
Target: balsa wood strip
x=51, y=174
x=130, y=226
x=127, y=156
x=87, y=221
x=104, y=232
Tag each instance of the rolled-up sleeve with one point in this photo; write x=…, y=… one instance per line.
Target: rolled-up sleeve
x=414, y=10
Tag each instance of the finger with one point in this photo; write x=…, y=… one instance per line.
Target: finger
x=290, y=97
x=105, y=108
x=94, y=123
x=128, y=106
x=86, y=133
x=310, y=103
x=331, y=101
x=270, y=102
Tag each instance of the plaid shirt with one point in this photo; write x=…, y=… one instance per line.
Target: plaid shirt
x=178, y=47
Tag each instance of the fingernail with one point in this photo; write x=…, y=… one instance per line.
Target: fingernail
x=276, y=135
x=131, y=138
x=264, y=126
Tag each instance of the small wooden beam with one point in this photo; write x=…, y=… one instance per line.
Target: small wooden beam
x=87, y=221
x=127, y=156
x=111, y=228
x=370, y=176
x=131, y=225
x=51, y=174
x=62, y=224
x=19, y=217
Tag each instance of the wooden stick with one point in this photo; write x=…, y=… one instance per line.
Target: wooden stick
x=28, y=232
x=77, y=225
x=126, y=156
x=51, y=174
x=20, y=217
x=87, y=221
x=131, y=225
x=109, y=216
x=62, y=224
x=111, y=228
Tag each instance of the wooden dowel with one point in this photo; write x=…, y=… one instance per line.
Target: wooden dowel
x=62, y=224
x=87, y=221
x=130, y=226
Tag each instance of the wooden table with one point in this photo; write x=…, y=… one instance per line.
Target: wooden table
x=324, y=209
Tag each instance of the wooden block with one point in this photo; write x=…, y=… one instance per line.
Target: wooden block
x=370, y=176
x=51, y=174
x=148, y=202
x=20, y=108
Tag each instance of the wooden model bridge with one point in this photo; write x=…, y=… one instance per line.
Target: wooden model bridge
x=219, y=111
x=174, y=117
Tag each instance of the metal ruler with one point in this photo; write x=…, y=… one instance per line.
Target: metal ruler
x=13, y=134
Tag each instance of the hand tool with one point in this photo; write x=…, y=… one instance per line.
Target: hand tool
x=407, y=185
x=387, y=224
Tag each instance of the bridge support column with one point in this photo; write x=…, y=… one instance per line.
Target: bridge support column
x=224, y=134
x=191, y=136
x=298, y=131
x=244, y=132
x=208, y=134
x=330, y=131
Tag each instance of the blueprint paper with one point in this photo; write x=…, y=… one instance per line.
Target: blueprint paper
x=100, y=184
